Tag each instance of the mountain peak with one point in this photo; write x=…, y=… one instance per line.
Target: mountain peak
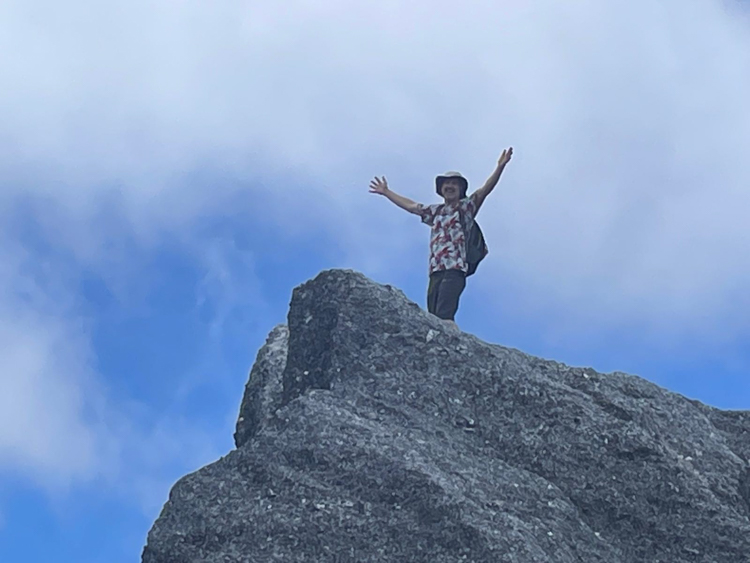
x=372, y=431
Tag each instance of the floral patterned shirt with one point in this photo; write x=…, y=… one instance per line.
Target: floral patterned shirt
x=447, y=240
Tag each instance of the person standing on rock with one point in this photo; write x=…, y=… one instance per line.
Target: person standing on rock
x=450, y=222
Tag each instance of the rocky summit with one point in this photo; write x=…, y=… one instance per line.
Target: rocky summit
x=372, y=431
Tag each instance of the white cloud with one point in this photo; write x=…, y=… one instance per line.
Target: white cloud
x=625, y=202
x=44, y=429
x=60, y=424
x=628, y=188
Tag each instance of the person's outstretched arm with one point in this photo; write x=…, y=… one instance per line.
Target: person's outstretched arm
x=380, y=186
x=481, y=194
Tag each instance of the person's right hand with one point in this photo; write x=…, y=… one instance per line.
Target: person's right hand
x=379, y=186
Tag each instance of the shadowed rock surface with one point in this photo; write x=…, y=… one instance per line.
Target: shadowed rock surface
x=370, y=431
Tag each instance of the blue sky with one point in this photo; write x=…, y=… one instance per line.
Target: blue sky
x=172, y=170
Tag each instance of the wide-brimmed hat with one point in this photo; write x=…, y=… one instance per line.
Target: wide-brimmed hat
x=452, y=175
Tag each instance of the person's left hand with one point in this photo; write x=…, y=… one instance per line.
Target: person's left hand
x=505, y=157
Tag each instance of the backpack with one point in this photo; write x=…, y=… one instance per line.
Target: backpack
x=476, y=248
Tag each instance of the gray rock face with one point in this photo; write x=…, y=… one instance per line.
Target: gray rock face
x=371, y=431
x=263, y=390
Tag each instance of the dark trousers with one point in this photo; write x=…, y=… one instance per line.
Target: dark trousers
x=444, y=292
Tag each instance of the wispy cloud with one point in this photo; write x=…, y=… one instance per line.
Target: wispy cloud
x=231, y=303
x=60, y=424
x=230, y=284
x=44, y=426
